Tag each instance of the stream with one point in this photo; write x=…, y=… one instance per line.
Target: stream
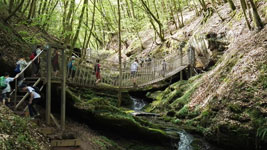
x=138, y=103
x=186, y=139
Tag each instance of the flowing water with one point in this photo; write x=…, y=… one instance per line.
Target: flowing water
x=138, y=104
x=185, y=141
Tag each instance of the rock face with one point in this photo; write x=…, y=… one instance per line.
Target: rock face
x=228, y=104
x=98, y=109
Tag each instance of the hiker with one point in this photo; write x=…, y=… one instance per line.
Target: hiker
x=6, y=91
x=134, y=68
x=124, y=63
x=38, y=60
x=97, y=71
x=164, y=67
x=34, y=98
x=71, y=67
x=36, y=63
x=55, y=63
x=148, y=60
x=21, y=64
x=141, y=62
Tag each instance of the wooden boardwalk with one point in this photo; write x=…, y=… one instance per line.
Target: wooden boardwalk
x=149, y=73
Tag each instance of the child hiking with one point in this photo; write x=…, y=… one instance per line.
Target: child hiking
x=6, y=91
x=97, y=71
x=35, y=97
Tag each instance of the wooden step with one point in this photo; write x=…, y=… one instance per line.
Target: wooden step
x=29, y=82
x=32, y=78
x=48, y=130
x=66, y=148
x=66, y=143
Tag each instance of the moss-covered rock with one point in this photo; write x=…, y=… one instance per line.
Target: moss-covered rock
x=102, y=111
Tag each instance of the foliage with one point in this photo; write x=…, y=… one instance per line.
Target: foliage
x=17, y=133
x=262, y=133
x=32, y=39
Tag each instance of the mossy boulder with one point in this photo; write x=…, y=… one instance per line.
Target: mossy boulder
x=103, y=113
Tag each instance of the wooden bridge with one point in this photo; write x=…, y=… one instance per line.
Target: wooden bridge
x=148, y=73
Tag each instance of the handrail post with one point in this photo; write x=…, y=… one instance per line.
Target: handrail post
x=191, y=59
x=181, y=63
x=48, y=87
x=63, y=91
x=16, y=91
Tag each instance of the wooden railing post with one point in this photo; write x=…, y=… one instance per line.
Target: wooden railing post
x=48, y=86
x=16, y=91
x=191, y=59
x=181, y=63
x=63, y=91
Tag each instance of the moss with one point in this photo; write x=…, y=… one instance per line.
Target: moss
x=167, y=119
x=263, y=77
x=185, y=98
x=235, y=108
x=101, y=111
x=239, y=16
x=177, y=121
x=182, y=113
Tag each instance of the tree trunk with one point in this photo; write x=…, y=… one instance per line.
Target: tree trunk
x=68, y=22
x=11, y=5
x=232, y=5
x=203, y=4
x=14, y=12
x=26, y=7
x=132, y=8
x=40, y=7
x=92, y=24
x=46, y=24
x=256, y=17
x=153, y=17
x=244, y=8
x=80, y=23
x=119, y=40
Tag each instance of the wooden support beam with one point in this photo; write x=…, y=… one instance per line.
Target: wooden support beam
x=55, y=121
x=48, y=86
x=69, y=142
x=63, y=92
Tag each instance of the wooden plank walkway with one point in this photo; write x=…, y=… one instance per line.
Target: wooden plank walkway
x=147, y=75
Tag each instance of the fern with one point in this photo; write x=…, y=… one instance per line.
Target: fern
x=262, y=132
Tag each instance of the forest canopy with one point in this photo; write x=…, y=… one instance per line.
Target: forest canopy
x=93, y=23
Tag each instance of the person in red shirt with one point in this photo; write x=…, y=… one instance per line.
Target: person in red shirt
x=97, y=71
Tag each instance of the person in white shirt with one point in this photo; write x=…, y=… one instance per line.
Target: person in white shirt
x=134, y=68
x=34, y=98
x=7, y=90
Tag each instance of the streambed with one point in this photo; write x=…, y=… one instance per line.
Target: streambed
x=187, y=140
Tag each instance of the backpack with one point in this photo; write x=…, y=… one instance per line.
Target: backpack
x=70, y=65
x=3, y=84
x=97, y=68
x=33, y=54
x=36, y=89
x=17, y=69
